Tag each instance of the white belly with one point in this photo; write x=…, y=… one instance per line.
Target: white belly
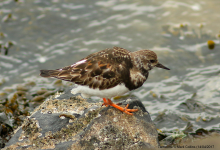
x=107, y=93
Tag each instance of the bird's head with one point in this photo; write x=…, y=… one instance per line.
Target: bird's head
x=148, y=60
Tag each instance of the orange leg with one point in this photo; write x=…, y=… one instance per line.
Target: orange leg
x=126, y=110
x=105, y=102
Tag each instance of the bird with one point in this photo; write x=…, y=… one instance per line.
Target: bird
x=108, y=73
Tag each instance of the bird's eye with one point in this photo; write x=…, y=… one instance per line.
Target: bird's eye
x=152, y=61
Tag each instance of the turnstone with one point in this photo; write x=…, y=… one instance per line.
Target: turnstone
x=108, y=73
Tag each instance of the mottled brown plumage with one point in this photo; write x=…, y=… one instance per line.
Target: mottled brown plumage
x=108, y=68
x=115, y=69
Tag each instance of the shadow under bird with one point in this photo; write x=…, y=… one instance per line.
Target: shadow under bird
x=108, y=73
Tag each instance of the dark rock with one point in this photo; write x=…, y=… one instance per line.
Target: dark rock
x=76, y=123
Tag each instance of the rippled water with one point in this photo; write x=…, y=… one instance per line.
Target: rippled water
x=52, y=34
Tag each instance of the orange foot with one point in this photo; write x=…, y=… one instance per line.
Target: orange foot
x=126, y=110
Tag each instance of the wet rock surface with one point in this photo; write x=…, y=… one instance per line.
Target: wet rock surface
x=76, y=123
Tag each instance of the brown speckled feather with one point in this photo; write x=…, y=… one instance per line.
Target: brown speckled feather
x=103, y=70
x=108, y=68
x=108, y=73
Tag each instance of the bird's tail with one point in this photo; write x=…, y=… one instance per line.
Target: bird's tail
x=49, y=73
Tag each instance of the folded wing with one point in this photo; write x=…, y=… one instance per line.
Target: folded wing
x=103, y=70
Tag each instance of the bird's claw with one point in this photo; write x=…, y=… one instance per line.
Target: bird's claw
x=126, y=110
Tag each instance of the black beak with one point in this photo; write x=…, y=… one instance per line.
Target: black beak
x=162, y=66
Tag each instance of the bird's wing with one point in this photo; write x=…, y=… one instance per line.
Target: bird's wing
x=103, y=70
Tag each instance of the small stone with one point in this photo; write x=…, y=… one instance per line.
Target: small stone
x=41, y=92
x=58, y=83
x=21, y=88
x=115, y=119
x=2, y=94
x=21, y=93
x=31, y=83
x=211, y=44
x=38, y=98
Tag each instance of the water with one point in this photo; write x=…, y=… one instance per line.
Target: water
x=52, y=34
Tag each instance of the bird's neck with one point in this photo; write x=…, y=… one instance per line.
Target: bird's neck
x=136, y=60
